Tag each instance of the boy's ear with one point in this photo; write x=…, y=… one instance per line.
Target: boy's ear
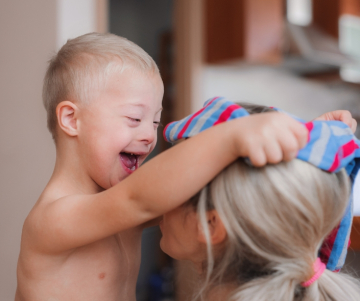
x=66, y=112
x=216, y=228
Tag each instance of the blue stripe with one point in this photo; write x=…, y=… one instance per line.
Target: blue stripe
x=241, y=112
x=304, y=153
x=196, y=119
x=185, y=120
x=341, y=241
x=215, y=116
x=168, y=130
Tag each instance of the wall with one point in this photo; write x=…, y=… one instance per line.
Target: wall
x=30, y=32
x=74, y=18
x=141, y=22
x=27, y=31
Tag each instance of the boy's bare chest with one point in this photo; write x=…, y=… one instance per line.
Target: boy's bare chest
x=105, y=270
x=114, y=259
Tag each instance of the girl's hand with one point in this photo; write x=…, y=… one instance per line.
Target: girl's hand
x=340, y=115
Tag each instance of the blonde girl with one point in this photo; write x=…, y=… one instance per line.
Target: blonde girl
x=255, y=233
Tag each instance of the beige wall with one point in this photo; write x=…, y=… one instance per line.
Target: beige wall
x=27, y=39
x=29, y=32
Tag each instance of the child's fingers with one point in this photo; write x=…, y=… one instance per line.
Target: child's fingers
x=290, y=146
x=345, y=116
x=353, y=125
x=258, y=157
x=340, y=115
x=301, y=134
x=273, y=151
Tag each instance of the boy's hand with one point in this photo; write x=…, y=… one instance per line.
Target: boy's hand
x=269, y=138
x=340, y=115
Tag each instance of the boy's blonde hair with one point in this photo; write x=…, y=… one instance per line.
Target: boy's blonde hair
x=80, y=69
x=276, y=218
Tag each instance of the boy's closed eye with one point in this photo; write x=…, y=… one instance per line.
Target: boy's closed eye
x=137, y=120
x=133, y=121
x=157, y=124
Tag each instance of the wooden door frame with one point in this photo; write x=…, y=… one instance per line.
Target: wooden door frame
x=189, y=55
x=102, y=16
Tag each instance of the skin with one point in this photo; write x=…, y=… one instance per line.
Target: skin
x=182, y=235
x=81, y=240
x=183, y=239
x=341, y=115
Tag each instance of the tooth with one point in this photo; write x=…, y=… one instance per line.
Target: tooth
x=132, y=154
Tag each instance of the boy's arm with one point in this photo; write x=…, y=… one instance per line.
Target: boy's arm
x=167, y=181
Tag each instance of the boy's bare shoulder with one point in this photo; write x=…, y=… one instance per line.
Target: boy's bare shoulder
x=65, y=219
x=34, y=222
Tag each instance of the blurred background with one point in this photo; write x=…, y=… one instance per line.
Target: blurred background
x=300, y=55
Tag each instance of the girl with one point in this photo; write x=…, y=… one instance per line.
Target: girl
x=255, y=233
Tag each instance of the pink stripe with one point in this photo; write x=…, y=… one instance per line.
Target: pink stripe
x=349, y=148
x=227, y=113
x=192, y=117
x=335, y=164
x=346, y=150
x=309, y=126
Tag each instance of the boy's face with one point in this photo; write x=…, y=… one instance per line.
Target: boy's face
x=118, y=130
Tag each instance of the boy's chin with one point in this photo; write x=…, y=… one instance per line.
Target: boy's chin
x=117, y=180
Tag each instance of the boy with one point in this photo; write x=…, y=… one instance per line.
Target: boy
x=81, y=240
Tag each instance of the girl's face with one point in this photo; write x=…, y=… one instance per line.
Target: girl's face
x=180, y=230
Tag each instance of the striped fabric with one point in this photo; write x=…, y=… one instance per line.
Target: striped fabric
x=331, y=146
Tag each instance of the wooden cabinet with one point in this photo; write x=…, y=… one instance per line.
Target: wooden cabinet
x=242, y=29
x=350, y=7
x=326, y=13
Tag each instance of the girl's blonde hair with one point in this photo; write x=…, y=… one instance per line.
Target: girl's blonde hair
x=276, y=218
x=80, y=69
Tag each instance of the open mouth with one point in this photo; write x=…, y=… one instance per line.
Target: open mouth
x=130, y=161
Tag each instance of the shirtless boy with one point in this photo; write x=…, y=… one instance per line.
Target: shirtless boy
x=81, y=241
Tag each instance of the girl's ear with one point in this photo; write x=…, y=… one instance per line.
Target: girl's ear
x=66, y=112
x=216, y=228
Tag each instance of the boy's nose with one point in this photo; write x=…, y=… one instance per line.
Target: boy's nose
x=148, y=134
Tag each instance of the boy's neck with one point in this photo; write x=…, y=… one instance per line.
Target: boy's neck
x=69, y=175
